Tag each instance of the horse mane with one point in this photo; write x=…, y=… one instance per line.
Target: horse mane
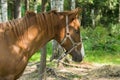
x=18, y=26
x=42, y=19
x=47, y=21
x=6, y=26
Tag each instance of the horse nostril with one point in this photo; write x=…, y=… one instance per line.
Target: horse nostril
x=77, y=58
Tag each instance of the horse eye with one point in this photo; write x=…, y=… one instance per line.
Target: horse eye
x=77, y=31
x=73, y=19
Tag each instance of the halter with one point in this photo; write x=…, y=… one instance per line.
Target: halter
x=67, y=35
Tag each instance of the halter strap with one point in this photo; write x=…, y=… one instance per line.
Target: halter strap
x=75, y=44
x=67, y=26
x=68, y=34
x=67, y=31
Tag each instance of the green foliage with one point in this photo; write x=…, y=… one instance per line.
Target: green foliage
x=106, y=11
x=35, y=57
x=101, y=38
x=49, y=49
x=23, y=10
x=67, y=5
x=102, y=44
x=115, y=30
x=39, y=8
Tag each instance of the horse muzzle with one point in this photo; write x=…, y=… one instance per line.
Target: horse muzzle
x=78, y=55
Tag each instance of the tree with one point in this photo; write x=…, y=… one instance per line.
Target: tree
x=57, y=5
x=17, y=9
x=43, y=52
x=10, y=9
x=35, y=6
x=93, y=17
x=72, y=4
x=119, y=11
x=0, y=13
x=26, y=5
x=42, y=67
x=44, y=2
x=4, y=16
x=57, y=50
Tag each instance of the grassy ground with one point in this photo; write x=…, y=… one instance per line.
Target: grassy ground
x=102, y=57
x=91, y=56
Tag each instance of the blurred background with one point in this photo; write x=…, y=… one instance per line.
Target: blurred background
x=100, y=25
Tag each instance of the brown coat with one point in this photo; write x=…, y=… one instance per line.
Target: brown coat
x=21, y=38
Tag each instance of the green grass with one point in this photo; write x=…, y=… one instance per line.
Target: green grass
x=96, y=56
x=102, y=57
x=91, y=56
x=35, y=57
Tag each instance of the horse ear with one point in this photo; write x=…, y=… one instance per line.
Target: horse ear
x=79, y=10
x=30, y=13
x=76, y=11
x=73, y=12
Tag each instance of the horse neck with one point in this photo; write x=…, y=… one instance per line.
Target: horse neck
x=60, y=31
x=48, y=23
x=47, y=26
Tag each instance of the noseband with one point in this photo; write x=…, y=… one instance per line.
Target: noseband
x=67, y=36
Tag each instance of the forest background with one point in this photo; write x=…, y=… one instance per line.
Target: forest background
x=100, y=26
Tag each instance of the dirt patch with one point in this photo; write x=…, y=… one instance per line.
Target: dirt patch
x=106, y=72
x=82, y=71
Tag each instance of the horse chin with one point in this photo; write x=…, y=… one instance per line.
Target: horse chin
x=76, y=56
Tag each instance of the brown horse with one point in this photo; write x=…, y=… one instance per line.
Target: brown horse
x=21, y=38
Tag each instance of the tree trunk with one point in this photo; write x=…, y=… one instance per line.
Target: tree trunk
x=0, y=13
x=4, y=10
x=26, y=5
x=10, y=9
x=35, y=6
x=44, y=5
x=119, y=12
x=57, y=50
x=93, y=17
x=57, y=5
x=42, y=69
x=17, y=9
x=72, y=4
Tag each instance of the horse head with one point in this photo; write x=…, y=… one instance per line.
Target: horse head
x=68, y=34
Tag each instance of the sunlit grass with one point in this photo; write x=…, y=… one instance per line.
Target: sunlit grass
x=96, y=56
x=35, y=57
x=102, y=57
